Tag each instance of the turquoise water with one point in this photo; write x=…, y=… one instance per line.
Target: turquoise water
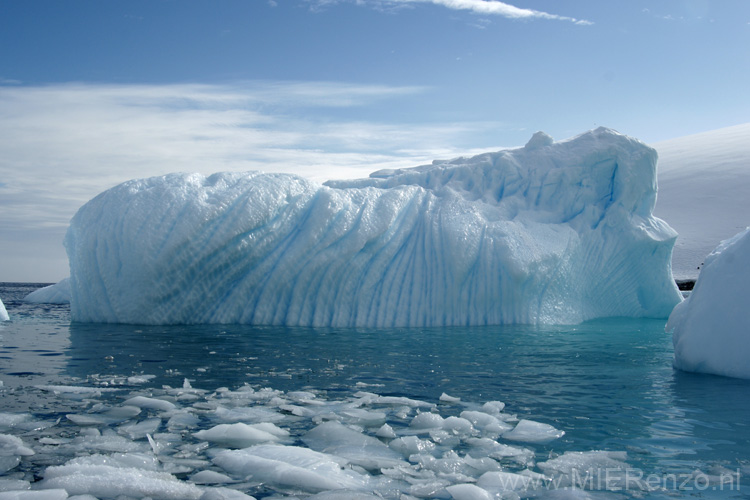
x=608, y=384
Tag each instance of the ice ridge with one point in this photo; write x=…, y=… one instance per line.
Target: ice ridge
x=554, y=232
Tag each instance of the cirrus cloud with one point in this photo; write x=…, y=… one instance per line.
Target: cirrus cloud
x=483, y=7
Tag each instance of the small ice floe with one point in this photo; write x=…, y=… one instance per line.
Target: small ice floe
x=528, y=431
x=356, y=447
x=445, y=398
x=12, y=448
x=241, y=435
x=290, y=467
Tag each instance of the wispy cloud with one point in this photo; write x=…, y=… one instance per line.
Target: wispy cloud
x=64, y=144
x=483, y=7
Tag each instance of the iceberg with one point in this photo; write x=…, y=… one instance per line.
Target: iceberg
x=554, y=232
x=59, y=293
x=711, y=328
x=3, y=312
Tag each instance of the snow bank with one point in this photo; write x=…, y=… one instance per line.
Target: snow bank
x=59, y=293
x=549, y=233
x=711, y=329
x=3, y=313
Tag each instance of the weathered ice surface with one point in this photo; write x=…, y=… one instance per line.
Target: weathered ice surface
x=550, y=233
x=711, y=329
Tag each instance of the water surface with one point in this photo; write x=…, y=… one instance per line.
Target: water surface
x=608, y=384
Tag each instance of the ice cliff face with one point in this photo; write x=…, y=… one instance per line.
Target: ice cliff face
x=549, y=233
x=711, y=329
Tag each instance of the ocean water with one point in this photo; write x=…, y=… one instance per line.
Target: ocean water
x=609, y=385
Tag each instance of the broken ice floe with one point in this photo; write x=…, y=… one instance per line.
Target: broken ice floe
x=132, y=441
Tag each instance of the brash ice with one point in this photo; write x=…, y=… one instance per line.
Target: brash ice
x=554, y=232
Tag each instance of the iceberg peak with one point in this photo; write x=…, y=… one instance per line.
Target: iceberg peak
x=539, y=140
x=560, y=232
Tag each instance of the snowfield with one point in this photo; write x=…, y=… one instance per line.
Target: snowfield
x=704, y=181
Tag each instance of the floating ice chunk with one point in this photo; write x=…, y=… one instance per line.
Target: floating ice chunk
x=251, y=414
x=486, y=423
x=56, y=494
x=111, y=416
x=493, y=407
x=105, y=442
x=139, y=430
x=491, y=448
x=3, y=312
x=210, y=477
x=126, y=460
x=529, y=431
x=468, y=492
x=12, y=448
x=13, y=445
x=289, y=467
x=583, y=461
x=369, y=398
x=11, y=420
x=241, y=435
x=58, y=293
x=412, y=445
x=596, y=469
x=426, y=421
x=386, y=431
x=711, y=328
x=150, y=403
x=140, y=379
x=458, y=426
x=181, y=420
x=357, y=448
x=501, y=481
x=14, y=484
x=366, y=418
x=224, y=494
x=450, y=466
x=344, y=495
x=104, y=481
x=549, y=233
x=449, y=399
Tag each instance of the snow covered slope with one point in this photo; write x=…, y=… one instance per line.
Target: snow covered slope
x=711, y=329
x=704, y=192
x=549, y=233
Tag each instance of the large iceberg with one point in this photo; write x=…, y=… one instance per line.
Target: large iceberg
x=554, y=232
x=711, y=329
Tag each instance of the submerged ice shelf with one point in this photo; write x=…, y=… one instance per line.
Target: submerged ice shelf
x=555, y=232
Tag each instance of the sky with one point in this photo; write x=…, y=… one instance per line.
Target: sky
x=94, y=93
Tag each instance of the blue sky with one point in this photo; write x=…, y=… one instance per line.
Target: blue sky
x=93, y=93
